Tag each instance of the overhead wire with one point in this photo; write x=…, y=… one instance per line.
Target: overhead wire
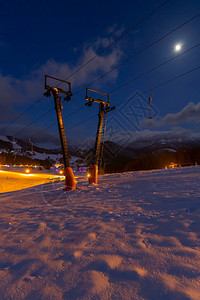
x=111, y=44
x=119, y=38
x=79, y=123
x=140, y=51
x=134, y=79
x=174, y=78
x=55, y=123
x=128, y=59
x=145, y=91
x=186, y=22
x=96, y=55
x=152, y=69
x=33, y=122
x=164, y=83
x=20, y=115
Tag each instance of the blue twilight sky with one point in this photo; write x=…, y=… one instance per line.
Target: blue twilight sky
x=57, y=37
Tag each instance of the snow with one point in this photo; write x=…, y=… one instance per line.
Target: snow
x=134, y=236
x=44, y=156
x=16, y=146
x=75, y=158
x=16, y=179
x=4, y=138
x=54, y=157
x=168, y=149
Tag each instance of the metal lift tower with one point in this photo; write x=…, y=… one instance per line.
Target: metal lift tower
x=31, y=145
x=104, y=108
x=149, y=102
x=70, y=181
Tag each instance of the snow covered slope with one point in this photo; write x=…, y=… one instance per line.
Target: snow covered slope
x=17, y=179
x=134, y=236
x=4, y=138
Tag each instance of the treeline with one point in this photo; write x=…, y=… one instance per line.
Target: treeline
x=8, y=159
x=182, y=157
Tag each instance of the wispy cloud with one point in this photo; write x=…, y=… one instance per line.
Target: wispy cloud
x=190, y=113
x=16, y=91
x=153, y=135
x=115, y=30
x=44, y=137
x=174, y=133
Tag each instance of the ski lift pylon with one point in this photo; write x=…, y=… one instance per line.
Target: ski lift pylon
x=149, y=102
x=104, y=108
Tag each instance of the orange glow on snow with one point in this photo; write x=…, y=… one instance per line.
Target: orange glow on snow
x=27, y=174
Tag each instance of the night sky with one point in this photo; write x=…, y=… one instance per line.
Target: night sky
x=57, y=37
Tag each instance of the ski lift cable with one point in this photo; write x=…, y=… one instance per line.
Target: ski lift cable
x=145, y=91
x=142, y=50
x=119, y=38
x=65, y=117
x=99, y=53
x=164, y=83
x=79, y=123
x=174, y=78
x=43, y=115
x=153, y=88
x=46, y=113
x=153, y=69
x=121, y=86
x=20, y=115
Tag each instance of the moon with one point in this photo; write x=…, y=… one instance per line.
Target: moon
x=177, y=47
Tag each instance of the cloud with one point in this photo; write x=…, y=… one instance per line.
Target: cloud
x=140, y=139
x=137, y=139
x=115, y=31
x=190, y=113
x=174, y=133
x=19, y=91
x=45, y=136
x=146, y=135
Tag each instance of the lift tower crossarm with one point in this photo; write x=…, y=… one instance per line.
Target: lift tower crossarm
x=31, y=145
x=47, y=87
x=149, y=102
x=97, y=100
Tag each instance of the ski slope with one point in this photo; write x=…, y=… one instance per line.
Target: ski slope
x=134, y=236
x=17, y=179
